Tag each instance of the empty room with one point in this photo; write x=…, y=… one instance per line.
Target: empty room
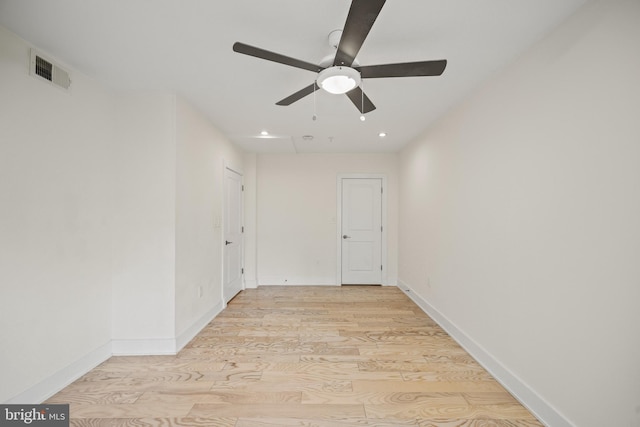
x=320, y=213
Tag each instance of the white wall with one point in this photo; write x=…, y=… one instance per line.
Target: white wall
x=108, y=205
x=169, y=164
x=144, y=173
x=55, y=221
x=519, y=219
x=202, y=153
x=296, y=214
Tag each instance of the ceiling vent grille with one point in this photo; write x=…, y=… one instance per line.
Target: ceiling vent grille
x=48, y=70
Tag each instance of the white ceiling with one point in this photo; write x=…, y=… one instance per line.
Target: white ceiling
x=186, y=46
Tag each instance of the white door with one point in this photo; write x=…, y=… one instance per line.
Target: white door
x=361, y=221
x=232, y=234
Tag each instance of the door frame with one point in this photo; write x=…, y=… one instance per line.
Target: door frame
x=223, y=223
x=383, y=177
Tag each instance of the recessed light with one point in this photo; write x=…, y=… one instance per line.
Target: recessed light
x=264, y=133
x=382, y=134
x=307, y=137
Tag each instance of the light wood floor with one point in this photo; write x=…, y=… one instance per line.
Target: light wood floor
x=302, y=356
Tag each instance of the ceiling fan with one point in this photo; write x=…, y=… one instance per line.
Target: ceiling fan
x=343, y=75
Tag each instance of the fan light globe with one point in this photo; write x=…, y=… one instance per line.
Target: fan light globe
x=338, y=80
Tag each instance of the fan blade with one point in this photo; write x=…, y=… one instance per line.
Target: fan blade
x=275, y=57
x=362, y=15
x=299, y=94
x=360, y=100
x=406, y=69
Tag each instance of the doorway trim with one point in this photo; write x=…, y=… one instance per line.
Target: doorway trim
x=222, y=224
x=339, y=179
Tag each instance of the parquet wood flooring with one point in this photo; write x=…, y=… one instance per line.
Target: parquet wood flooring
x=302, y=356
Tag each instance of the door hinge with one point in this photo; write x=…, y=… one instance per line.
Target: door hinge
x=243, y=188
x=242, y=271
x=381, y=229
x=381, y=190
x=380, y=268
x=242, y=229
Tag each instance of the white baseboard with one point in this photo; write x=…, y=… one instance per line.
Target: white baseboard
x=143, y=347
x=250, y=283
x=546, y=413
x=136, y=347
x=56, y=382
x=296, y=281
x=306, y=281
x=391, y=281
x=186, y=336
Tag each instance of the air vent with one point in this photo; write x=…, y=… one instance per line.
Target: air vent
x=48, y=70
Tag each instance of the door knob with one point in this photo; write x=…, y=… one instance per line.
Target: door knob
x=226, y=242
x=346, y=237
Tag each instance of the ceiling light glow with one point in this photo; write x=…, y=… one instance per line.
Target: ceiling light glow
x=382, y=134
x=338, y=80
